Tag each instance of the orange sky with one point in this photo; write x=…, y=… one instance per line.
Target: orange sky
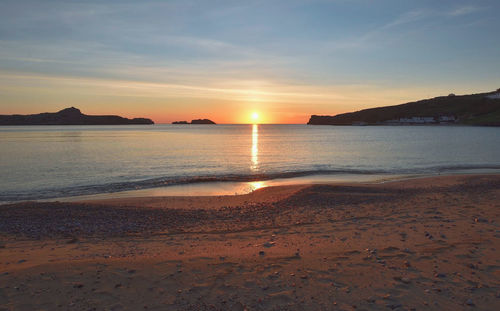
x=221, y=101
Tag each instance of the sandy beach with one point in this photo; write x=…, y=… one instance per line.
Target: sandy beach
x=429, y=243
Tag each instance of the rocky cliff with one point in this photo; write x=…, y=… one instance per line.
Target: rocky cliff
x=68, y=116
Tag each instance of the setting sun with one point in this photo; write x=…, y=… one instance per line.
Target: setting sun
x=255, y=116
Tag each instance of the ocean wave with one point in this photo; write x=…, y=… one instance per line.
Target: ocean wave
x=182, y=180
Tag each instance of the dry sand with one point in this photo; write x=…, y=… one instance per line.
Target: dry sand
x=430, y=243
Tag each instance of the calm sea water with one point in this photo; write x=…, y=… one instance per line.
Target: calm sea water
x=39, y=162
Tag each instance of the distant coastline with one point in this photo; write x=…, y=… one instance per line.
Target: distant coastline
x=481, y=109
x=196, y=121
x=69, y=116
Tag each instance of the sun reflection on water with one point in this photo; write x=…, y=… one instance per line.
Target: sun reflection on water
x=255, y=147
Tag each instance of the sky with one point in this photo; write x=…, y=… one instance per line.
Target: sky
x=224, y=60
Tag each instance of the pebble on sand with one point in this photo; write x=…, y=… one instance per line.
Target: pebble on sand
x=269, y=244
x=469, y=302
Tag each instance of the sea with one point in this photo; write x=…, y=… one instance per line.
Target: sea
x=58, y=162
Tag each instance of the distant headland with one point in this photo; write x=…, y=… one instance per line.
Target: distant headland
x=197, y=121
x=475, y=109
x=68, y=116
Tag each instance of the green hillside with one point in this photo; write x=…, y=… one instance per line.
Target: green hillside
x=475, y=109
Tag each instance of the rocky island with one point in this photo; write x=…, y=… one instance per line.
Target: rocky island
x=475, y=109
x=68, y=116
x=197, y=121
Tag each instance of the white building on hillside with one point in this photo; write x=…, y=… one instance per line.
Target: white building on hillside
x=447, y=119
x=494, y=96
x=417, y=120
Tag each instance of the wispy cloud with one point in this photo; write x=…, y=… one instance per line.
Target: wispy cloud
x=379, y=34
x=407, y=18
x=389, y=30
x=263, y=92
x=269, y=93
x=463, y=10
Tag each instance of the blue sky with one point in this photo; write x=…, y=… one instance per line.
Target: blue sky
x=285, y=59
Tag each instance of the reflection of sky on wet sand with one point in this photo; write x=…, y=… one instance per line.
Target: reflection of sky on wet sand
x=255, y=185
x=235, y=188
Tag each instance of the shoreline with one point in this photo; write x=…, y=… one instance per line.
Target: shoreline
x=425, y=243
x=228, y=188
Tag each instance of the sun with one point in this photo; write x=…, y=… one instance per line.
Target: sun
x=255, y=116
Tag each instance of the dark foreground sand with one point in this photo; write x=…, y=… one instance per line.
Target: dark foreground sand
x=431, y=243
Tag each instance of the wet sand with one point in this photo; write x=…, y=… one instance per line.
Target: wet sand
x=428, y=243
